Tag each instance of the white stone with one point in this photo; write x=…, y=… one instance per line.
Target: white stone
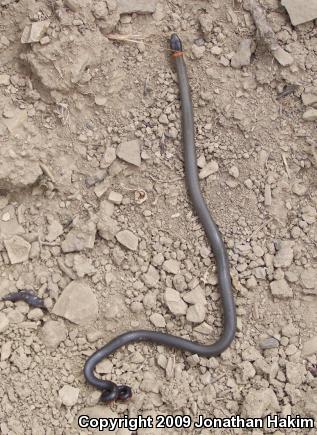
x=6, y=350
x=295, y=373
x=259, y=403
x=308, y=98
x=285, y=254
x=151, y=277
x=300, y=12
x=108, y=158
x=281, y=289
x=34, y=31
x=80, y=238
x=283, y=57
x=243, y=55
x=171, y=266
x=310, y=115
x=127, y=239
x=196, y=313
x=310, y=347
x=55, y=229
x=137, y=6
x=18, y=249
x=174, y=302
x=53, y=333
x=209, y=169
x=158, y=320
x=4, y=80
x=68, y=395
x=4, y=322
x=195, y=296
x=130, y=152
x=107, y=227
x=77, y=303
x=100, y=100
x=115, y=197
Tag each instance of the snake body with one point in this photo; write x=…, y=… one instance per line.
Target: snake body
x=111, y=391
x=26, y=296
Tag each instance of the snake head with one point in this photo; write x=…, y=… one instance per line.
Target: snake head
x=124, y=393
x=121, y=393
x=176, y=43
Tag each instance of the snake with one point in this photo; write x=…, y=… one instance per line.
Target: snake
x=110, y=390
x=26, y=296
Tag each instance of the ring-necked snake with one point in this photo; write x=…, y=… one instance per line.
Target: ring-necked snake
x=111, y=391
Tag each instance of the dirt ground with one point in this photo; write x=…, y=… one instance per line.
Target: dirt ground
x=95, y=219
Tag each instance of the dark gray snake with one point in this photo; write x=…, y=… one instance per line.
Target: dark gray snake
x=26, y=296
x=112, y=391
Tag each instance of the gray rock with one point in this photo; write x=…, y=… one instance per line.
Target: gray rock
x=309, y=214
x=204, y=329
x=35, y=314
x=102, y=188
x=127, y=239
x=80, y=238
x=198, y=51
x=310, y=403
x=9, y=225
x=104, y=367
x=4, y=322
x=196, y=313
x=115, y=197
x=108, y=158
x=308, y=280
x=77, y=303
x=151, y=277
x=179, y=283
x=53, y=333
x=195, y=296
x=4, y=80
x=310, y=115
x=158, y=320
x=206, y=25
x=300, y=13
x=171, y=266
x=282, y=56
x=309, y=98
x=285, y=255
x=6, y=349
x=259, y=403
x=106, y=208
x=137, y=6
x=281, y=289
x=107, y=227
x=83, y=266
x=18, y=249
x=55, y=229
x=174, y=302
x=130, y=152
x=209, y=169
x=251, y=354
x=243, y=55
x=295, y=373
x=68, y=395
x=73, y=5
x=247, y=371
x=269, y=343
x=310, y=347
x=34, y=31
x=290, y=330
